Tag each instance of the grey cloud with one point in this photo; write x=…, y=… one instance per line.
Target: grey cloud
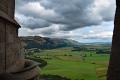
x=75, y=13
x=108, y=13
x=36, y=23
x=20, y=3
x=71, y=14
x=33, y=23
x=48, y=32
x=43, y=31
x=96, y=38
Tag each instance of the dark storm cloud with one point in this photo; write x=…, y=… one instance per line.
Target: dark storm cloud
x=48, y=32
x=68, y=14
x=75, y=13
x=44, y=31
x=35, y=23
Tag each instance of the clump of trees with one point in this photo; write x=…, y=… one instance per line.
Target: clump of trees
x=102, y=52
x=79, y=49
x=32, y=51
x=40, y=60
x=53, y=77
x=47, y=58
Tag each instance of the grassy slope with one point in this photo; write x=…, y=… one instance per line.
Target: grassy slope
x=74, y=67
x=103, y=60
x=71, y=69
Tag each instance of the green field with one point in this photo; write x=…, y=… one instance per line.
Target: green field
x=71, y=69
x=74, y=64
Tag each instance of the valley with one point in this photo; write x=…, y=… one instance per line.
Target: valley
x=83, y=63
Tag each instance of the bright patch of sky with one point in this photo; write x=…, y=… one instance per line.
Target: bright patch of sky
x=100, y=33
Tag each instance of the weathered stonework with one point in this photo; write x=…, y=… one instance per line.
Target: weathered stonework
x=7, y=7
x=11, y=52
x=2, y=47
x=114, y=65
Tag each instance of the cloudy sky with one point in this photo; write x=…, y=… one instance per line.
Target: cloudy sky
x=80, y=20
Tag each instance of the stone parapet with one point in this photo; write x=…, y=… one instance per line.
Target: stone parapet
x=30, y=71
x=8, y=76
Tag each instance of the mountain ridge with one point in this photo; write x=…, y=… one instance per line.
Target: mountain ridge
x=46, y=43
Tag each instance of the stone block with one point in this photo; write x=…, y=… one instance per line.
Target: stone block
x=3, y=5
x=2, y=47
x=11, y=8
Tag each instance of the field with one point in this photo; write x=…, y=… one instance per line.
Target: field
x=76, y=65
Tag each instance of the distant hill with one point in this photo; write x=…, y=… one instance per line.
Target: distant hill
x=93, y=43
x=46, y=43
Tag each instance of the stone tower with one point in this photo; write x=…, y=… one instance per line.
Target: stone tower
x=114, y=64
x=11, y=56
x=12, y=60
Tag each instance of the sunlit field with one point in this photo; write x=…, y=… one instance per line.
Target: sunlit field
x=76, y=65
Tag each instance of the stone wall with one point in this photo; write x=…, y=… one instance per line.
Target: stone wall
x=114, y=64
x=11, y=52
x=12, y=61
x=2, y=47
x=7, y=6
x=14, y=57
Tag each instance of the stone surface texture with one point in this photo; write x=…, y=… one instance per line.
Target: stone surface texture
x=114, y=64
x=10, y=54
x=7, y=7
x=11, y=50
x=2, y=47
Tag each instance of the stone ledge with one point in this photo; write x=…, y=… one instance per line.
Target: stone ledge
x=30, y=71
x=8, y=19
x=29, y=64
x=8, y=76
